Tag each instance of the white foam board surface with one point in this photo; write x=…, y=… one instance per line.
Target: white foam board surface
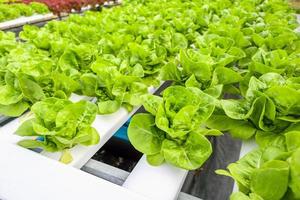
x=26, y=20
x=162, y=182
x=25, y=174
x=29, y=176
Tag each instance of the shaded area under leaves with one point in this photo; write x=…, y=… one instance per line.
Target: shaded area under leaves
x=119, y=154
x=202, y=183
x=205, y=183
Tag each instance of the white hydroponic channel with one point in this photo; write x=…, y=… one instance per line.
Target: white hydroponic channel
x=25, y=174
x=26, y=20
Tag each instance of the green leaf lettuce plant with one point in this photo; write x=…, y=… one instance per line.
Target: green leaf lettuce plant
x=173, y=130
x=269, y=173
x=60, y=125
x=271, y=105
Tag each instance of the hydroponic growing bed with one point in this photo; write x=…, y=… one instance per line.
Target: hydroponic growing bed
x=71, y=84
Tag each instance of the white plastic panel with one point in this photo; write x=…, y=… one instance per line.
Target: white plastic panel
x=26, y=20
x=247, y=146
x=163, y=182
x=29, y=176
x=298, y=29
